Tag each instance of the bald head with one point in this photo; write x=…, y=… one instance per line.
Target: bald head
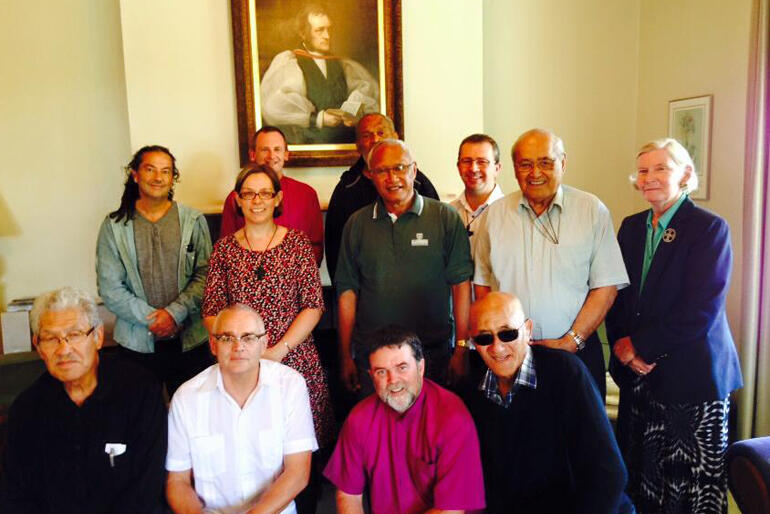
x=539, y=162
x=371, y=129
x=236, y=310
x=501, y=316
x=392, y=146
x=555, y=143
x=499, y=305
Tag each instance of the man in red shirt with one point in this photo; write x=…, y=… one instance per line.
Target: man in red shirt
x=301, y=209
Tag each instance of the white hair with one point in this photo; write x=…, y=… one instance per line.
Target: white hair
x=388, y=142
x=557, y=145
x=678, y=153
x=62, y=299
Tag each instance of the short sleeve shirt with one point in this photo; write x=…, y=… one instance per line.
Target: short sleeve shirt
x=513, y=254
x=427, y=457
x=402, y=271
x=235, y=454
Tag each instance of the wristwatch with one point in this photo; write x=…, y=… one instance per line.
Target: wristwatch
x=579, y=341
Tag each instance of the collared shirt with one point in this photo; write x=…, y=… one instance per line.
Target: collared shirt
x=514, y=254
x=58, y=454
x=427, y=457
x=470, y=216
x=236, y=453
x=402, y=271
x=351, y=193
x=654, y=236
x=525, y=377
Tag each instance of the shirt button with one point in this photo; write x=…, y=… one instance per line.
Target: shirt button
x=638, y=314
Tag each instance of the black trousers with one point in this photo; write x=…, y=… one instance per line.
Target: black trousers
x=170, y=364
x=593, y=357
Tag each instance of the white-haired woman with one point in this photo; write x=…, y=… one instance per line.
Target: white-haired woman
x=672, y=353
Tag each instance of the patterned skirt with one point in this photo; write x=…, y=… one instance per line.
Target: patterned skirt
x=675, y=454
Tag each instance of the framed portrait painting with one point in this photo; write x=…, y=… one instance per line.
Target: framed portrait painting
x=313, y=69
x=689, y=122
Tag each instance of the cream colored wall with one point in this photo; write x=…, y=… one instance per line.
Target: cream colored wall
x=691, y=48
x=73, y=109
x=63, y=139
x=570, y=67
x=443, y=83
x=181, y=92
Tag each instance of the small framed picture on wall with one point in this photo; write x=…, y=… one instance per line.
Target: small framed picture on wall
x=689, y=122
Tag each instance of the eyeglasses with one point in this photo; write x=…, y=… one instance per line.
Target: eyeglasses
x=246, y=339
x=398, y=169
x=543, y=164
x=468, y=163
x=506, y=336
x=263, y=195
x=50, y=342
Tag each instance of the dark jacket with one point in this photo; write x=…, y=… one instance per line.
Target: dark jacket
x=679, y=321
x=352, y=192
x=552, y=450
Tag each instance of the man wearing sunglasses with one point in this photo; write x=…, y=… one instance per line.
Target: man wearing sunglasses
x=555, y=248
x=240, y=433
x=401, y=260
x=90, y=434
x=546, y=442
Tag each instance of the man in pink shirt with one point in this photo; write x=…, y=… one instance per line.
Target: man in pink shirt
x=301, y=209
x=413, y=443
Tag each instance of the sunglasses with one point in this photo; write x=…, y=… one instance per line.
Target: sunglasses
x=506, y=336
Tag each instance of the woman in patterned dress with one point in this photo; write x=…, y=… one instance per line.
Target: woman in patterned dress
x=272, y=269
x=673, y=355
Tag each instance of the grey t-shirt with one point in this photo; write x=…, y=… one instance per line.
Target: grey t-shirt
x=157, y=250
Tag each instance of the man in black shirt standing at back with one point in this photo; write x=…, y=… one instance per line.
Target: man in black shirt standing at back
x=90, y=434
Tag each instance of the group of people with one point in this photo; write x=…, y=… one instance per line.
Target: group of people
x=496, y=297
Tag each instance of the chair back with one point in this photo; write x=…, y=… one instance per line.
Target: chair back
x=748, y=474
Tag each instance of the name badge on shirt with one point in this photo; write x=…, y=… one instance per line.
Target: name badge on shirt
x=113, y=450
x=418, y=240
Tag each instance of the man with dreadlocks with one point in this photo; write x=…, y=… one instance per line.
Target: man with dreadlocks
x=152, y=257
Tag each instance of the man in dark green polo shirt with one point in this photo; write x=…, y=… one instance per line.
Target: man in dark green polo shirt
x=400, y=260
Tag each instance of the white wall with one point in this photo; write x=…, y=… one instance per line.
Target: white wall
x=570, y=67
x=443, y=83
x=691, y=48
x=181, y=90
x=63, y=140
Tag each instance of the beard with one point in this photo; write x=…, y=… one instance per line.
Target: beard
x=401, y=402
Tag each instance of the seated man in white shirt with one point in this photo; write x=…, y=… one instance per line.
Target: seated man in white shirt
x=240, y=432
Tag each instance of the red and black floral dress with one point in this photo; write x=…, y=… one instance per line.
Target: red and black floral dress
x=290, y=283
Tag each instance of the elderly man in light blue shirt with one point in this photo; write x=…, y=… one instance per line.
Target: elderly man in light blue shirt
x=554, y=247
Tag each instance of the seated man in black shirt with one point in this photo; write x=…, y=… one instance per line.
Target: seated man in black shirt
x=90, y=434
x=546, y=443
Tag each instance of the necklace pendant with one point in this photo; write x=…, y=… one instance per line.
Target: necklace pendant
x=260, y=272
